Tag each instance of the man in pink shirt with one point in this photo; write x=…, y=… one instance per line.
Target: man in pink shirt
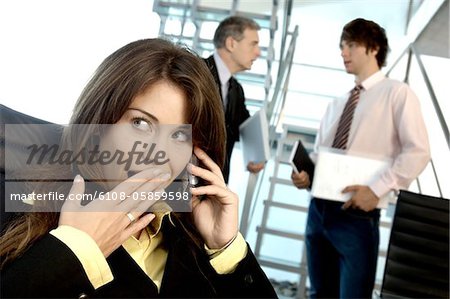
x=385, y=121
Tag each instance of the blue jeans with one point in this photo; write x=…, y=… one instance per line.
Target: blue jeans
x=342, y=250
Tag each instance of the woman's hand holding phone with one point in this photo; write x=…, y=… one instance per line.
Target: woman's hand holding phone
x=216, y=217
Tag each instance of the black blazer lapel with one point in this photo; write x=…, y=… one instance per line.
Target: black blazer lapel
x=184, y=275
x=130, y=281
x=213, y=68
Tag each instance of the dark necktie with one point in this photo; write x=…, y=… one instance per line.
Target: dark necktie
x=341, y=137
x=230, y=93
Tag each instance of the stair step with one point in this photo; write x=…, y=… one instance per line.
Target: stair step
x=277, y=204
x=284, y=160
x=282, y=264
x=280, y=233
x=210, y=14
x=275, y=180
x=250, y=77
x=254, y=102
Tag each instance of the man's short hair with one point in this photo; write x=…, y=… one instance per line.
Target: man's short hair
x=233, y=26
x=369, y=34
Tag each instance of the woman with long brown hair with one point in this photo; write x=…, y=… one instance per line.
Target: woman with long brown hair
x=132, y=240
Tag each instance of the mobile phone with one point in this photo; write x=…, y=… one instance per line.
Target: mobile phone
x=193, y=180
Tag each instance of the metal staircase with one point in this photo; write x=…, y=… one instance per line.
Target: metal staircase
x=193, y=20
x=277, y=200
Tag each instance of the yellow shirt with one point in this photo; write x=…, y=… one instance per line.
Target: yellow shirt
x=148, y=251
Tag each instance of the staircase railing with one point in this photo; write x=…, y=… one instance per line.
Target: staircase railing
x=273, y=113
x=276, y=105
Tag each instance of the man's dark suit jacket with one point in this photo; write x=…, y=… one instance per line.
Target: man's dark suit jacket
x=235, y=113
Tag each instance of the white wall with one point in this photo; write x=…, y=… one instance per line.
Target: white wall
x=50, y=48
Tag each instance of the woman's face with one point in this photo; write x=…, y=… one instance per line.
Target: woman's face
x=152, y=133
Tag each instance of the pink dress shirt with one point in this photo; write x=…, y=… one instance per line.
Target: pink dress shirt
x=387, y=124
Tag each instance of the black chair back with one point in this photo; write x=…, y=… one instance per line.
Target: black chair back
x=417, y=263
x=13, y=148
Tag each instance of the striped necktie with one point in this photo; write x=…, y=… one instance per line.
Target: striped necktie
x=341, y=137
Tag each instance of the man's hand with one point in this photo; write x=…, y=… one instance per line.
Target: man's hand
x=363, y=198
x=255, y=167
x=300, y=179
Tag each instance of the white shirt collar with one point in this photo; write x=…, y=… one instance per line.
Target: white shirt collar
x=373, y=80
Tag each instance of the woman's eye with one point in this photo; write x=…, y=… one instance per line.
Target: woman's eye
x=181, y=136
x=141, y=124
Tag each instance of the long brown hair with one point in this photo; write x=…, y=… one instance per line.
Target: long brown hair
x=118, y=80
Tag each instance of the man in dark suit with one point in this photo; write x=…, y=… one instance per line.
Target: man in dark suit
x=236, y=42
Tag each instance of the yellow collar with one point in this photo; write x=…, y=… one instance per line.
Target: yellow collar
x=160, y=209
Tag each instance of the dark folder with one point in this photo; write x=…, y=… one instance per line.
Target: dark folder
x=300, y=160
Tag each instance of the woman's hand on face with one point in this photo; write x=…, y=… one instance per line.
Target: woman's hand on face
x=106, y=221
x=216, y=217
